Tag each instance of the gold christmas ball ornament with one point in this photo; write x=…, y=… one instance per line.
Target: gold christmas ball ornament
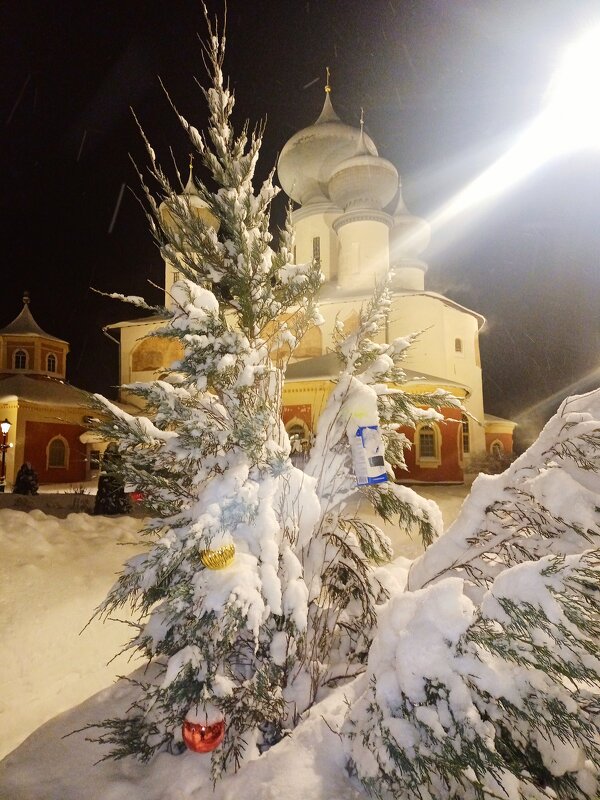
x=219, y=558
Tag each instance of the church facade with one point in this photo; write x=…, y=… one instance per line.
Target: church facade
x=350, y=216
x=47, y=416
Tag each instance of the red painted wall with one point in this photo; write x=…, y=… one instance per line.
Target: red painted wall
x=37, y=437
x=505, y=438
x=450, y=469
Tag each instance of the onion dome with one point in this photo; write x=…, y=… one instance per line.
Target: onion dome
x=410, y=235
x=364, y=180
x=312, y=154
x=196, y=203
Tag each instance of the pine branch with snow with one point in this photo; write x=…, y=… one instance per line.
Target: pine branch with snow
x=524, y=514
x=485, y=703
x=344, y=589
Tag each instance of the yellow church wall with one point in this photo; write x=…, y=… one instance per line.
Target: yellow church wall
x=363, y=254
x=346, y=311
x=19, y=413
x=434, y=351
x=317, y=225
x=313, y=393
x=10, y=411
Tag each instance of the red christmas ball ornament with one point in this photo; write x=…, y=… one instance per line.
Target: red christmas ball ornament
x=203, y=729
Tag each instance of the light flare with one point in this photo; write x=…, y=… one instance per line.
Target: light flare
x=569, y=120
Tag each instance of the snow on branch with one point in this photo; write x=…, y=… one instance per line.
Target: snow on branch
x=545, y=502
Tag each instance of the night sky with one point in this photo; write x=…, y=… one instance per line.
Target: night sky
x=446, y=86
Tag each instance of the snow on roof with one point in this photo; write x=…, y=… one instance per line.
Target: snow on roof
x=446, y=300
x=327, y=367
x=330, y=292
x=490, y=418
x=139, y=321
x=42, y=390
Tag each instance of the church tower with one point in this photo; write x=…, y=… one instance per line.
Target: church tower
x=352, y=217
x=47, y=415
x=344, y=190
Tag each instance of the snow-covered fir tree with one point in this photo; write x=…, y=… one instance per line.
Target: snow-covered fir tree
x=259, y=592
x=111, y=497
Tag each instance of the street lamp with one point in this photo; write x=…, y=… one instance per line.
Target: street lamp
x=4, y=427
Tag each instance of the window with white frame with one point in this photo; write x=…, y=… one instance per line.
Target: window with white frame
x=51, y=362
x=20, y=359
x=427, y=442
x=428, y=445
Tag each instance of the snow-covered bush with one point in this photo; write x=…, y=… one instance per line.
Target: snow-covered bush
x=484, y=676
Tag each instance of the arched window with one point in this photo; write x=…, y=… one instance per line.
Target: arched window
x=497, y=449
x=466, y=434
x=51, y=363
x=300, y=438
x=428, y=445
x=458, y=346
x=57, y=453
x=20, y=359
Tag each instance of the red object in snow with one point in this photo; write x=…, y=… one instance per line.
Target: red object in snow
x=203, y=738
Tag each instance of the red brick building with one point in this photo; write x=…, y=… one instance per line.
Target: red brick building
x=47, y=415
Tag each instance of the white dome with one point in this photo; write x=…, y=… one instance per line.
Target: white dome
x=363, y=181
x=312, y=154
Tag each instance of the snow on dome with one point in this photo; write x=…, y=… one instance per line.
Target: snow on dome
x=364, y=180
x=313, y=153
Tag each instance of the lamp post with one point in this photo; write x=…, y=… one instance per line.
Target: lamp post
x=4, y=427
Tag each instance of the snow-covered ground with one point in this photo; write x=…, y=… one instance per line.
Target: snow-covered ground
x=53, y=574
x=55, y=571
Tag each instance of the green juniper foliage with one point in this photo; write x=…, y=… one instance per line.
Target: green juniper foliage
x=483, y=678
x=510, y=704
